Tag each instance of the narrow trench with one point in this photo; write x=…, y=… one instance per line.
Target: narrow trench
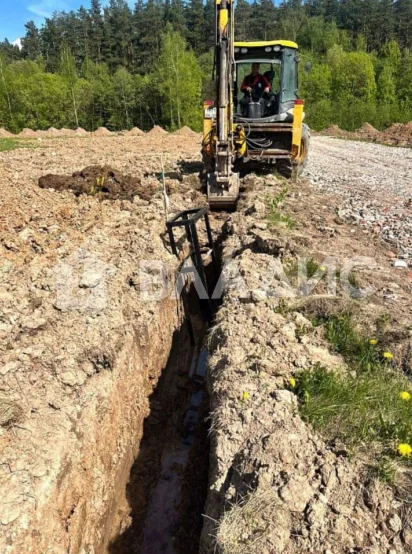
x=168, y=482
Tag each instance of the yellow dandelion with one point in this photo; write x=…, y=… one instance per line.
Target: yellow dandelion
x=292, y=382
x=245, y=396
x=387, y=355
x=373, y=341
x=405, y=395
x=404, y=449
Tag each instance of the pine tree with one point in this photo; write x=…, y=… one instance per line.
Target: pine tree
x=96, y=31
x=195, y=25
x=31, y=42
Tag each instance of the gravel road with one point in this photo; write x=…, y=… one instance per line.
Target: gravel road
x=374, y=181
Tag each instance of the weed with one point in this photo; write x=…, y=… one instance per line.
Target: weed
x=276, y=216
x=311, y=268
x=359, y=352
x=366, y=409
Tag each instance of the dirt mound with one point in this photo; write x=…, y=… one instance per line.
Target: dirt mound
x=185, y=132
x=27, y=133
x=5, y=134
x=157, y=131
x=104, y=182
x=134, y=132
x=333, y=131
x=367, y=130
x=101, y=132
x=66, y=132
x=399, y=133
x=79, y=132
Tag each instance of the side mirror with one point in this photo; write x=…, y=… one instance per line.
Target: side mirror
x=308, y=67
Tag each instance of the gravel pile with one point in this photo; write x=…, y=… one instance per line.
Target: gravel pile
x=375, y=184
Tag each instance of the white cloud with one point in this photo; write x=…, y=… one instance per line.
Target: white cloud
x=45, y=8
x=18, y=43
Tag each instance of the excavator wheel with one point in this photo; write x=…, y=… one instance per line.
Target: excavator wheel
x=286, y=168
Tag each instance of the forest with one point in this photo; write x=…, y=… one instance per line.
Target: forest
x=118, y=67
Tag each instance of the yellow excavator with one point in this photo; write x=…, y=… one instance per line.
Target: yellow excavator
x=257, y=114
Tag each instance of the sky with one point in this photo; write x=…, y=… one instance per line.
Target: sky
x=15, y=13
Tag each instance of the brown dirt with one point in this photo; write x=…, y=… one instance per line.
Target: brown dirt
x=27, y=133
x=78, y=365
x=368, y=131
x=101, y=181
x=157, y=131
x=5, y=134
x=101, y=132
x=398, y=134
x=80, y=132
x=135, y=132
x=186, y=132
x=275, y=486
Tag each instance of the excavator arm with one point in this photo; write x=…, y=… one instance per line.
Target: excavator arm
x=223, y=182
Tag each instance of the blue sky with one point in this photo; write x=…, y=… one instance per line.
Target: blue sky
x=15, y=13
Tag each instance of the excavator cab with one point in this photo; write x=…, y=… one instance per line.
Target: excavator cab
x=267, y=127
x=278, y=62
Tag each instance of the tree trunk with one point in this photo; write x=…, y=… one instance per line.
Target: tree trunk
x=76, y=118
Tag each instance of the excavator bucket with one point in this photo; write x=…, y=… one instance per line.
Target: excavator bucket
x=223, y=197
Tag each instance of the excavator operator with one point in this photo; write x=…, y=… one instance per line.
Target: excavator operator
x=254, y=86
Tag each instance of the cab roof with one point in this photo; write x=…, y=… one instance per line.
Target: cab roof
x=286, y=43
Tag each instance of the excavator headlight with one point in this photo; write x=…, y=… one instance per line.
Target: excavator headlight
x=268, y=49
x=237, y=50
x=244, y=50
x=277, y=48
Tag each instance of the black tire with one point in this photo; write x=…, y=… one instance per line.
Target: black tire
x=286, y=168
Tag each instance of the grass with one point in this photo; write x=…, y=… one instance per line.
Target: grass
x=341, y=331
x=362, y=407
x=7, y=144
x=361, y=410
x=276, y=216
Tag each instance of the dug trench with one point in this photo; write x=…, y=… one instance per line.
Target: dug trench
x=167, y=487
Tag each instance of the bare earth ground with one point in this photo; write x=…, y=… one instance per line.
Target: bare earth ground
x=79, y=351
x=77, y=366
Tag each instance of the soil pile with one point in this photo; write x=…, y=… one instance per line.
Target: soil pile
x=101, y=132
x=368, y=131
x=276, y=486
x=79, y=132
x=67, y=132
x=5, y=134
x=333, y=131
x=27, y=133
x=185, y=132
x=399, y=133
x=101, y=181
x=157, y=132
x=135, y=132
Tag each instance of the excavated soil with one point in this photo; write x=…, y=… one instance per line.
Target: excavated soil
x=95, y=380
x=80, y=350
x=276, y=487
x=101, y=181
x=398, y=134
x=157, y=131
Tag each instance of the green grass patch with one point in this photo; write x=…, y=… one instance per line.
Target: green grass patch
x=276, y=216
x=361, y=353
x=7, y=144
x=359, y=410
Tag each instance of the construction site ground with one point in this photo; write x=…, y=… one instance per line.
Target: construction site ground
x=82, y=351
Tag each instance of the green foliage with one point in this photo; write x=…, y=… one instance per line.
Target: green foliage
x=112, y=66
x=179, y=81
x=276, y=216
x=7, y=144
x=362, y=410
